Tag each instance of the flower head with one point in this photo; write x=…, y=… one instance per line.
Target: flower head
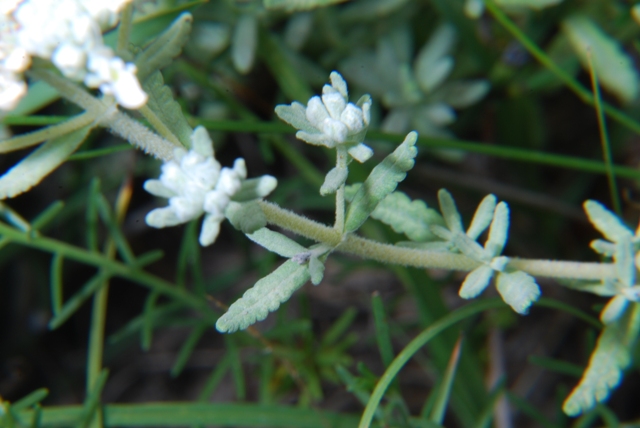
x=69, y=33
x=331, y=120
x=195, y=184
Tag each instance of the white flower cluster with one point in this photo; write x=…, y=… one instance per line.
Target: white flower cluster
x=69, y=33
x=332, y=120
x=195, y=184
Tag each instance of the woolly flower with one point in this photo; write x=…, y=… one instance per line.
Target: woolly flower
x=195, y=184
x=69, y=34
x=331, y=120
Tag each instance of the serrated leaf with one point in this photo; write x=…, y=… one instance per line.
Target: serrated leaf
x=334, y=179
x=604, y=372
x=264, y=297
x=382, y=180
x=615, y=69
x=161, y=102
x=518, y=289
x=244, y=43
x=40, y=163
x=482, y=217
x=316, y=270
x=276, y=242
x=476, y=281
x=164, y=48
x=449, y=211
x=606, y=222
x=412, y=218
x=499, y=231
x=247, y=217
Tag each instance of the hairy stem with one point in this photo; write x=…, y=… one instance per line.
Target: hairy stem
x=386, y=253
x=341, y=162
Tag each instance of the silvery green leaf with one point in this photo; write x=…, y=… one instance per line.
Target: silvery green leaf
x=361, y=152
x=449, y=211
x=432, y=64
x=499, y=231
x=276, y=242
x=476, y=281
x=244, y=43
x=614, y=309
x=210, y=38
x=316, y=270
x=469, y=247
x=440, y=114
x=483, y=217
x=473, y=8
x=606, y=222
x=296, y=116
x=409, y=88
x=246, y=216
x=605, y=288
x=338, y=83
x=297, y=30
x=396, y=121
x=624, y=262
x=533, y=4
x=462, y=94
x=335, y=178
x=518, y=289
x=585, y=36
x=382, y=180
x=201, y=142
x=351, y=190
x=412, y=218
x=603, y=247
x=604, y=371
x=156, y=188
x=442, y=233
x=255, y=188
x=264, y=297
x=161, y=102
x=40, y=163
x=168, y=45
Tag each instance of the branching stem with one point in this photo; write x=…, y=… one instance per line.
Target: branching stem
x=386, y=253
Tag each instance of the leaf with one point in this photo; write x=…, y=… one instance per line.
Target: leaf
x=161, y=102
x=613, y=66
x=298, y=5
x=624, y=262
x=244, y=43
x=316, y=270
x=518, y=289
x=247, y=217
x=40, y=163
x=614, y=309
x=483, y=217
x=382, y=180
x=296, y=116
x=533, y=4
x=255, y=188
x=604, y=372
x=462, y=94
x=334, y=179
x=449, y=211
x=475, y=283
x=433, y=64
x=165, y=47
x=412, y=218
x=276, y=242
x=606, y=222
x=264, y=297
x=499, y=231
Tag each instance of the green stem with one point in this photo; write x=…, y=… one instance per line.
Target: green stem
x=386, y=253
x=341, y=162
x=159, y=125
x=124, y=30
x=32, y=138
x=582, y=92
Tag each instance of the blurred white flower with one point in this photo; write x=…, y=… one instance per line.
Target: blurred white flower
x=195, y=184
x=69, y=33
x=332, y=120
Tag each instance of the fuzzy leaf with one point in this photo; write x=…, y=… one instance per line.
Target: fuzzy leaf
x=361, y=152
x=161, y=102
x=244, y=43
x=606, y=222
x=334, y=179
x=255, y=188
x=40, y=163
x=276, y=242
x=449, y=211
x=469, y=247
x=462, y=94
x=624, y=262
x=382, y=180
x=296, y=116
x=264, y=297
x=604, y=372
x=316, y=270
x=247, y=217
x=412, y=218
x=483, y=217
x=432, y=64
x=476, y=281
x=518, y=289
x=164, y=48
x=614, y=309
x=585, y=36
x=499, y=231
